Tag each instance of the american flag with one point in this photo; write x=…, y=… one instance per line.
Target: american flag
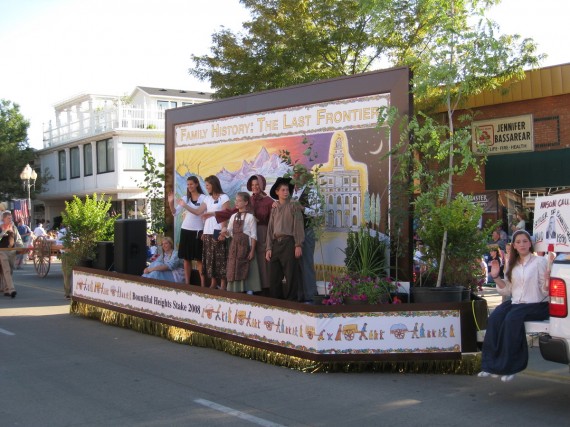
x=21, y=210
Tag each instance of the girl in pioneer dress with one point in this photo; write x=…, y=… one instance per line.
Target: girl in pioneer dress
x=242, y=228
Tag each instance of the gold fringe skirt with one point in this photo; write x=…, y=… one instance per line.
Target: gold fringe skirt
x=467, y=365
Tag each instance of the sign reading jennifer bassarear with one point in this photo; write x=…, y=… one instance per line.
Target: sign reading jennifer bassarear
x=503, y=136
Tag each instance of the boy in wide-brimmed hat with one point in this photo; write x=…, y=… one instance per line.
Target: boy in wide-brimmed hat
x=285, y=235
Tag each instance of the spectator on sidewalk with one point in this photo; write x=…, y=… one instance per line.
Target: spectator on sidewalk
x=39, y=230
x=9, y=238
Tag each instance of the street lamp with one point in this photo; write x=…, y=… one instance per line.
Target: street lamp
x=28, y=177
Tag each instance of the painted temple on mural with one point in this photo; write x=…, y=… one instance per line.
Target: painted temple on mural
x=341, y=186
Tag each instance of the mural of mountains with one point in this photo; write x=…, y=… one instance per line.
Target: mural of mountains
x=268, y=165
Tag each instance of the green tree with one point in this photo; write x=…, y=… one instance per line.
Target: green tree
x=289, y=42
x=459, y=57
x=14, y=149
x=153, y=185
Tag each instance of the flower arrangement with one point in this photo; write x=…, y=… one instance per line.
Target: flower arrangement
x=372, y=290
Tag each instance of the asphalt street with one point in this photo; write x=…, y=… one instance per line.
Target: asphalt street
x=63, y=370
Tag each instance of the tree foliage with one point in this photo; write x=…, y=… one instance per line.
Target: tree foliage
x=153, y=185
x=14, y=149
x=460, y=56
x=289, y=42
x=465, y=242
x=87, y=222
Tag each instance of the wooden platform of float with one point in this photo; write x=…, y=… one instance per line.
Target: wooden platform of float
x=384, y=337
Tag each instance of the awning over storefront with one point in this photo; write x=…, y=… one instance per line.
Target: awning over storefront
x=528, y=170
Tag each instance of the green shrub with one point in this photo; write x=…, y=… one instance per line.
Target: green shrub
x=87, y=222
x=365, y=253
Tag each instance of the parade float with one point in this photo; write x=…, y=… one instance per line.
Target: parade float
x=237, y=137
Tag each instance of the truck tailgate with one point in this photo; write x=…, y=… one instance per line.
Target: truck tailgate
x=537, y=326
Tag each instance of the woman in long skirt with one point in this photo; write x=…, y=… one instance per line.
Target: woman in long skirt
x=262, y=205
x=214, y=259
x=505, y=349
x=243, y=231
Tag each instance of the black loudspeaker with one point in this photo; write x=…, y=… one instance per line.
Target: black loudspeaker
x=105, y=256
x=130, y=246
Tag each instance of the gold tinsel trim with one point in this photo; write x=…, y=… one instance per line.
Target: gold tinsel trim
x=467, y=365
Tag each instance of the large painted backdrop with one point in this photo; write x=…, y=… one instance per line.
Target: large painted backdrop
x=239, y=137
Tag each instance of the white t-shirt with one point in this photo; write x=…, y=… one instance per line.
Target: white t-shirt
x=191, y=221
x=39, y=231
x=213, y=206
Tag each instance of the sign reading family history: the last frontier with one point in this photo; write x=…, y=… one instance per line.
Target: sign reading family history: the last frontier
x=503, y=136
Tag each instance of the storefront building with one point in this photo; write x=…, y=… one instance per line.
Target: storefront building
x=527, y=134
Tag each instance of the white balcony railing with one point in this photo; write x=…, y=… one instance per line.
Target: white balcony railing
x=104, y=120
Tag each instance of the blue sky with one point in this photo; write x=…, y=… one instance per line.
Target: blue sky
x=52, y=50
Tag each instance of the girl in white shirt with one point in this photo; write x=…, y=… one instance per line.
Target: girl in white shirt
x=505, y=350
x=190, y=245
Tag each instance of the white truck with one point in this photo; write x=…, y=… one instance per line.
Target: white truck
x=554, y=338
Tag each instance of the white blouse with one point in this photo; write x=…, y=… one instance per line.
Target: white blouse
x=528, y=284
x=213, y=206
x=249, y=226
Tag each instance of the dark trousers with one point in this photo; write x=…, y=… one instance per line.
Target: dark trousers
x=284, y=264
x=505, y=350
x=308, y=265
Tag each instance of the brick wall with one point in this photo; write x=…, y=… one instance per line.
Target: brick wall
x=551, y=129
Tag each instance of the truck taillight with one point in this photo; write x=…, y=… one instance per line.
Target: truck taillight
x=558, y=298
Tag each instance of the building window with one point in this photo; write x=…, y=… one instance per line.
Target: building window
x=165, y=105
x=74, y=163
x=62, y=165
x=105, y=156
x=133, y=156
x=157, y=151
x=87, y=160
x=185, y=104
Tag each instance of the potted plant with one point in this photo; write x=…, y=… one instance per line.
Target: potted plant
x=87, y=222
x=466, y=244
x=366, y=280
x=365, y=253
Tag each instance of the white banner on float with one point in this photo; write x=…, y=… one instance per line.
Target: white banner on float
x=326, y=116
x=551, y=228
x=320, y=333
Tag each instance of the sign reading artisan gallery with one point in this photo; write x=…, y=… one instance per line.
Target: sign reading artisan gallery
x=503, y=136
